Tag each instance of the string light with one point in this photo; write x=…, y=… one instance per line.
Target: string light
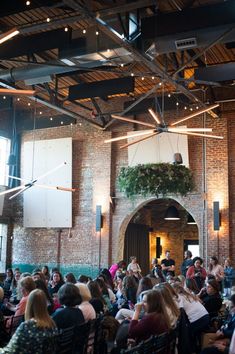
x=142, y=78
x=4, y=97
x=160, y=84
x=48, y=19
x=40, y=112
x=71, y=123
x=169, y=95
x=66, y=29
x=185, y=107
x=80, y=124
x=153, y=77
x=84, y=31
x=27, y=3
x=132, y=74
x=97, y=33
x=177, y=103
x=18, y=99
x=197, y=107
x=29, y=104
x=122, y=65
x=108, y=50
x=61, y=122
x=191, y=109
x=51, y=118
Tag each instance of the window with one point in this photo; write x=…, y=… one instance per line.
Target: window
x=4, y=154
x=3, y=247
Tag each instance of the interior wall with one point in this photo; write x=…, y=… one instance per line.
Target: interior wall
x=95, y=169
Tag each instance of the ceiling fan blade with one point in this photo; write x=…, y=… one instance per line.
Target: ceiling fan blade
x=139, y=140
x=60, y=188
x=199, y=130
x=155, y=116
x=21, y=191
x=198, y=134
x=195, y=114
x=144, y=132
x=11, y=190
x=5, y=91
x=133, y=121
x=50, y=171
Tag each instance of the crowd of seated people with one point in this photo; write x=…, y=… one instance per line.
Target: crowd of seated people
x=138, y=306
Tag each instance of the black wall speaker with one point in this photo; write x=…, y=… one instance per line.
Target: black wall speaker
x=98, y=223
x=158, y=247
x=216, y=215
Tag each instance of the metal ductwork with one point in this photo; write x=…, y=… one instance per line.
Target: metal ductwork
x=190, y=28
x=33, y=71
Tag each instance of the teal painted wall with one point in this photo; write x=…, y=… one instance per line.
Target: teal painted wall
x=76, y=269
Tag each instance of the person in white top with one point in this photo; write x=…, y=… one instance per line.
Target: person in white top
x=134, y=267
x=197, y=314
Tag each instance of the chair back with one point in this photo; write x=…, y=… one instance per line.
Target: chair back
x=65, y=341
x=12, y=323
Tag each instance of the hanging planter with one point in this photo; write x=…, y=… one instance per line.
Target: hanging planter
x=155, y=179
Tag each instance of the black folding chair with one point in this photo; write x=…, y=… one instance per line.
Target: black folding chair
x=65, y=341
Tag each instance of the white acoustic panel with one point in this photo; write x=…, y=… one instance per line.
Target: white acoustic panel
x=47, y=207
x=160, y=148
x=2, y=197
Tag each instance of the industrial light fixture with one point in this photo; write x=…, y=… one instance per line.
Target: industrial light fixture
x=172, y=213
x=8, y=35
x=191, y=220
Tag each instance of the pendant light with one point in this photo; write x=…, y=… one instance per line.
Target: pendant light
x=172, y=213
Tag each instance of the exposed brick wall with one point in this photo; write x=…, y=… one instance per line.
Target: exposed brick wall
x=95, y=169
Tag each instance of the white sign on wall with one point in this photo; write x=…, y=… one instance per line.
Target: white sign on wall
x=46, y=207
x=160, y=148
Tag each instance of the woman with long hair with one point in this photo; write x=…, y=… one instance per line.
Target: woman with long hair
x=216, y=269
x=55, y=283
x=40, y=284
x=155, y=321
x=97, y=300
x=171, y=302
x=197, y=314
x=145, y=283
x=37, y=334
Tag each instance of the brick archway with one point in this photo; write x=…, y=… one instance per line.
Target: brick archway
x=192, y=207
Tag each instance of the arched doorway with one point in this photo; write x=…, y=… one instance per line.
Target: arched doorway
x=149, y=235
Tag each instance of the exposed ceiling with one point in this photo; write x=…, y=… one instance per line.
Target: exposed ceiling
x=67, y=49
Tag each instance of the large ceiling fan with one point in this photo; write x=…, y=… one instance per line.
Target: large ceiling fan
x=26, y=184
x=161, y=127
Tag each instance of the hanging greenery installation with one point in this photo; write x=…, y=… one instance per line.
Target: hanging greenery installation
x=155, y=179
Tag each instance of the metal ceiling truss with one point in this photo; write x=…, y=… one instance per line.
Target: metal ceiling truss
x=152, y=66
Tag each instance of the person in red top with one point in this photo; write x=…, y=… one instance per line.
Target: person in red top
x=155, y=321
x=197, y=272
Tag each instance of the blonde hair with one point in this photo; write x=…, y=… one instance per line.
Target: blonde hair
x=84, y=291
x=36, y=308
x=180, y=290
x=27, y=283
